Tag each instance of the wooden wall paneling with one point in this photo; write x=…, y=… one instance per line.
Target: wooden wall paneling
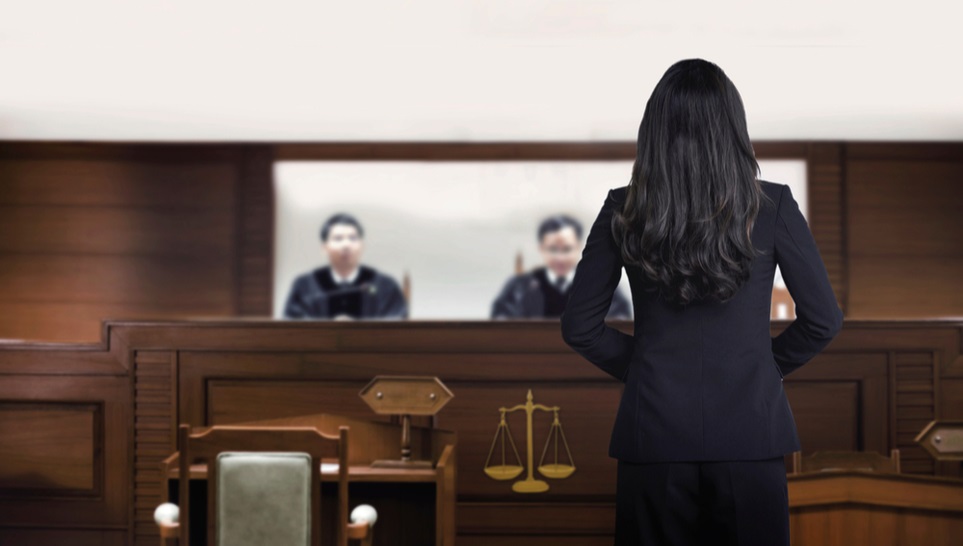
x=66, y=411
x=229, y=401
x=220, y=387
x=587, y=412
x=915, y=407
x=951, y=354
x=226, y=377
x=846, y=526
x=38, y=359
x=98, y=231
x=114, y=176
x=949, y=391
x=904, y=217
x=255, y=232
x=66, y=464
x=841, y=402
x=939, y=335
x=825, y=175
x=883, y=379
x=828, y=415
x=60, y=537
x=950, y=408
x=491, y=522
x=51, y=449
x=919, y=386
x=70, y=322
x=534, y=540
x=111, y=231
x=116, y=280
x=155, y=436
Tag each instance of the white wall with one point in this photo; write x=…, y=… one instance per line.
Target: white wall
x=467, y=69
x=454, y=226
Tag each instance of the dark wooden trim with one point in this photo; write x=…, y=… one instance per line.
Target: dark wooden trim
x=902, y=151
x=383, y=150
x=118, y=151
x=457, y=151
x=446, y=150
x=496, y=151
x=844, y=226
x=788, y=149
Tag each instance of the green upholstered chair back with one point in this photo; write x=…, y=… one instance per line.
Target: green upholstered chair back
x=264, y=484
x=263, y=499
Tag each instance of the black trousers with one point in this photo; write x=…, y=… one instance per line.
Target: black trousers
x=725, y=503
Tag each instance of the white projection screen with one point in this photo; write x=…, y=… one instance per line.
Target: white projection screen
x=454, y=226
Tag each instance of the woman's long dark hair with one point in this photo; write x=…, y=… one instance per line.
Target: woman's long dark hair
x=694, y=194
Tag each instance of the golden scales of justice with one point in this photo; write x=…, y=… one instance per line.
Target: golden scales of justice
x=554, y=470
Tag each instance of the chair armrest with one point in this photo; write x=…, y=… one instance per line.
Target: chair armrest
x=166, y=516
x=170, y=530
x=358, y=531
x=363, y=518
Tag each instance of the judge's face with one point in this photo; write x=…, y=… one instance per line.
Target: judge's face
x=344, y=247
x=560, y=250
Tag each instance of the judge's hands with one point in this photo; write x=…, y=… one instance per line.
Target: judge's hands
x=343, y=317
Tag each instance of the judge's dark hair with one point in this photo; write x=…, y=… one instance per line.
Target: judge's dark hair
x=557, y=222
x=694, y=193
x=340, y=218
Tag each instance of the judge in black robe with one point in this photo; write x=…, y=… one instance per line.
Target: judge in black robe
x=370, y=295
x=364, y=293
x=543, y=291
x=532, y=295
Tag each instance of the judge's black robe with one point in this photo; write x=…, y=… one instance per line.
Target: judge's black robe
x=531, y=295
x=371, y=295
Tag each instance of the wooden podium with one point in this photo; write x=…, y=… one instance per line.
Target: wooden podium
x=406, y=499
x=854, y=508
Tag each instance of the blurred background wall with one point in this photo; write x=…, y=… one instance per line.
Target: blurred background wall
x=470, y=70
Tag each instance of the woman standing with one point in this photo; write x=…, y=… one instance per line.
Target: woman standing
x=703, y=423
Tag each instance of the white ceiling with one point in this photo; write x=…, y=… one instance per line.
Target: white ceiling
x=468, y=69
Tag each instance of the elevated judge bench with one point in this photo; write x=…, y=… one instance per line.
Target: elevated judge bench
x=517, y=456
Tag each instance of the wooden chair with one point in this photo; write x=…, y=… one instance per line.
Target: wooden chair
x=827, y=461
x=258, y=476
x=406, y=287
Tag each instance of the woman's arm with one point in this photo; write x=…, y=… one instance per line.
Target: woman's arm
x=818, y=316
x=597, y=277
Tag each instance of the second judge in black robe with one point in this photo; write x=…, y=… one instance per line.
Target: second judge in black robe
x=362, y=293
x=543, y=291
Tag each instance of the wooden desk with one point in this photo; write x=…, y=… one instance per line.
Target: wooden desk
x=854, y=508
x=117, y=404
x=356, y=473
x=368, y=441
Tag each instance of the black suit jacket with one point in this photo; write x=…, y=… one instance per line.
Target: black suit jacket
x=703, y=382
